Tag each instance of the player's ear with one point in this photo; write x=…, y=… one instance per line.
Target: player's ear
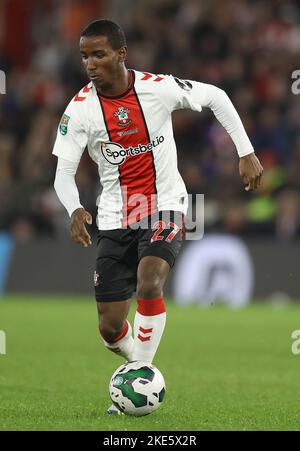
x=122, y=54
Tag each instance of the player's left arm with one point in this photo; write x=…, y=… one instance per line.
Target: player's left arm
x=250, y=167
x=181, y=94
x=251, y=171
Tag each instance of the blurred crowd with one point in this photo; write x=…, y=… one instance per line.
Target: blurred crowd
x=248, y=48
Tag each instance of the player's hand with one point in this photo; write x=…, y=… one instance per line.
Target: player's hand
x=251, y=171
x=78, y=230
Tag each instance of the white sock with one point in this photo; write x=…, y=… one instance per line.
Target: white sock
x=149, y=324
x=123, y=345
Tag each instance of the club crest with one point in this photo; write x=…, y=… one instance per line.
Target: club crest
x=96, y=279
x=122, y=115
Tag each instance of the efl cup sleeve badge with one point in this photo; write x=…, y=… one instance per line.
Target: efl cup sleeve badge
x=63, y=125
x=122, y=115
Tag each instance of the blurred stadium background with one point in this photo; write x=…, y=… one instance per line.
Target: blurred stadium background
x=249, y=48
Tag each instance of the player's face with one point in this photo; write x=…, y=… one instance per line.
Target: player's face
x=101, y=61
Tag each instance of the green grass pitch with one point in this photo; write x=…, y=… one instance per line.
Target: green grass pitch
x=224, y=369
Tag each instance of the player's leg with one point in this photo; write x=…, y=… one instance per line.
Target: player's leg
x=116, y=332
x=114, y=327
x=115, y=281
x=150, y=317
x=159, y=246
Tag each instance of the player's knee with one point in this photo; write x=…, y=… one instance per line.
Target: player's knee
x=110, y=331
x=150, y=287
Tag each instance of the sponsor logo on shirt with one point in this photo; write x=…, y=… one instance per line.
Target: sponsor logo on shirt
x=128, y=132
x=115, y=154
x=122, y=115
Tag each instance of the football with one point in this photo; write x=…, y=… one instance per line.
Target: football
x=137, y=388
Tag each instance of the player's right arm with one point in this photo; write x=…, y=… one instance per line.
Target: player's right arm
x=69, y=146
x=67, y=192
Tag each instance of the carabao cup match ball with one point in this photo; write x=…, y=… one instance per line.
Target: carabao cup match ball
x=137, y=388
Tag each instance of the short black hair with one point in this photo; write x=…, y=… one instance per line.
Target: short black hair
x=108, y=28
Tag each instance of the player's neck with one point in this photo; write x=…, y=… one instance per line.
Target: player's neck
x=118, y=85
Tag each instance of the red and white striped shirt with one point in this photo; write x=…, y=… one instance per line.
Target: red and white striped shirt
x=130, y=137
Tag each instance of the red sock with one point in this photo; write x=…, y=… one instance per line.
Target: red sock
x=123, y=344
x=149, y=324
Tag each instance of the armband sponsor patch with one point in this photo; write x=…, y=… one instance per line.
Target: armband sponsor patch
x=184, y=84
x=63, y=125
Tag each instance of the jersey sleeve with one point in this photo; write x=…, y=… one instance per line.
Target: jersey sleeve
x=65, y=185
x=178, y=94
x=71, y=138
x=182, y=94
